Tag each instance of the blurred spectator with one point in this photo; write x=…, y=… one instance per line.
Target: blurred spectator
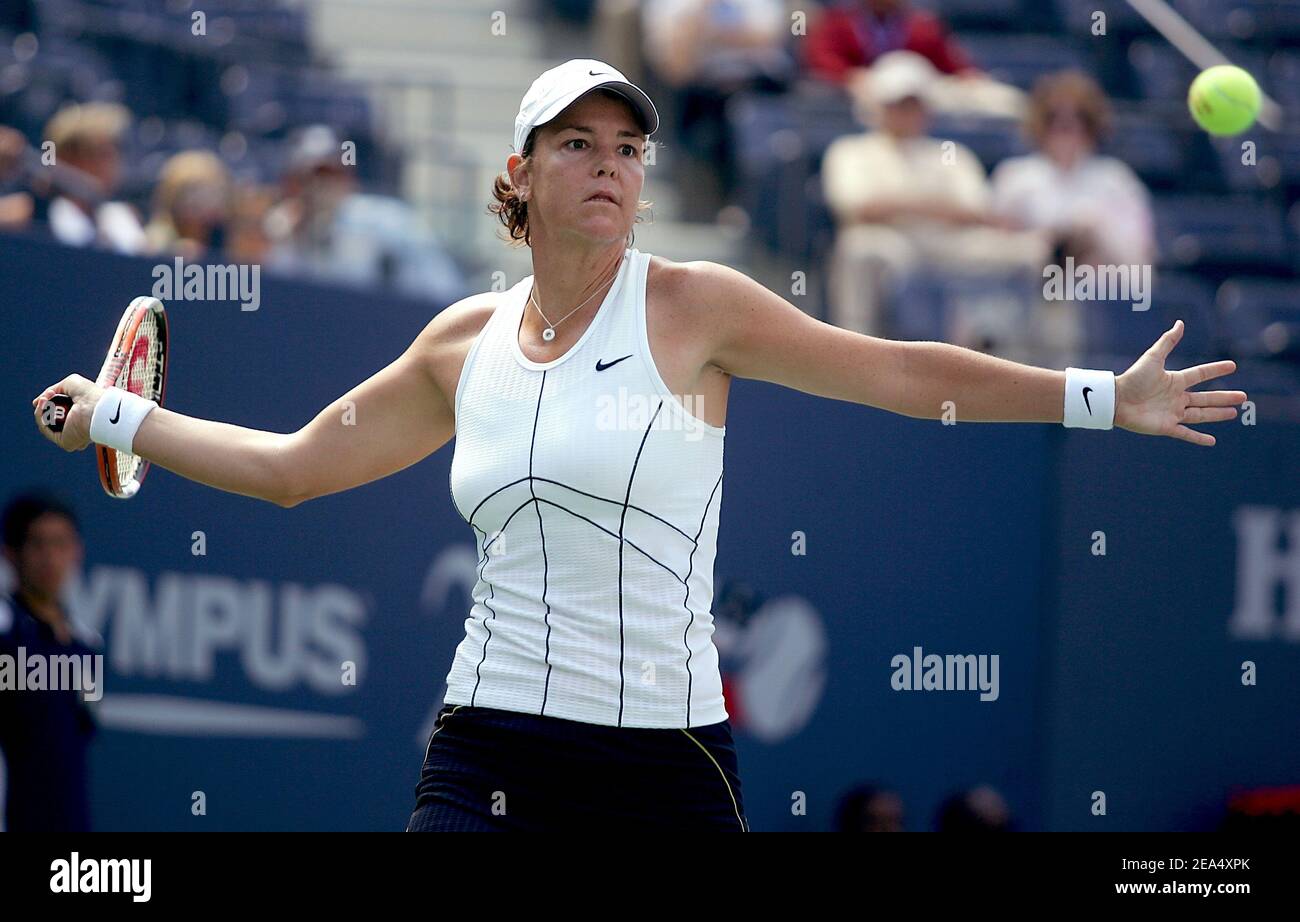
x=853, y=34
x=705, y=51
x=44, y=733
x=15, y=207
x=1274, y=810
x=846, y=41
x=978, y=809
x=86, y=141
x=1091, y=207
x=904, y=201
x=324, y=228
x=247, y=241
x=191, y=205
x=869, y=808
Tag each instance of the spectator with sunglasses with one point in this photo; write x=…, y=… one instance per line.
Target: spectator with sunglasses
x=1089, y=206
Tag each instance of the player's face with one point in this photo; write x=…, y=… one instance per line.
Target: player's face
x=49, y=554
x=595, y=145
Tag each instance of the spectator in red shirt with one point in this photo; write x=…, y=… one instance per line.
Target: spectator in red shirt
x=853, y=34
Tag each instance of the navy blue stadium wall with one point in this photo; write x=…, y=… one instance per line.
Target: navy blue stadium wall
x=1118, y=674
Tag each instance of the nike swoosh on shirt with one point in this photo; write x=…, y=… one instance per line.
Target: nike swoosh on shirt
x=602, y=366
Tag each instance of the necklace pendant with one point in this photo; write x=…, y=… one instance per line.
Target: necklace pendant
x=548, y=334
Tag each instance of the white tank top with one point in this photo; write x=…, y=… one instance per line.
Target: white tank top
x=594, y=496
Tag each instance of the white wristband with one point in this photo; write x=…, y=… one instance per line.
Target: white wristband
x=116, y=418
x=1089, y=399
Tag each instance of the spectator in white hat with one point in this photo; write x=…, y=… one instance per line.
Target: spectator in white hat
x=904, y=200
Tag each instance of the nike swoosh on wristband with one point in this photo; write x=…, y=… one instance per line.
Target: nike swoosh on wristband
x=1085, y=400
x=118, y=414
x=602, y=367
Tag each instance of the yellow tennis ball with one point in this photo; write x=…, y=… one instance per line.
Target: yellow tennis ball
x=1224, y=100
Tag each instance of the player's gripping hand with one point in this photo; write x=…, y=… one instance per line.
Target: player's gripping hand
x=74, y=432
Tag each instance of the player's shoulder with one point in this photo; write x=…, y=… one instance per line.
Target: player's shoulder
x=459, y=323
x=690, y=283
x=699, y=294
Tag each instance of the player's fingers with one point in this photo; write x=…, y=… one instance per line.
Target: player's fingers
x=42, y=424
x=1208, y=414
x=1165, y=344
x=1216, y=398
x=1190, y=377
x=1191, y=435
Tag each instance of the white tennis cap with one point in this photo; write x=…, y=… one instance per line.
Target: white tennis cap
x=554, y=90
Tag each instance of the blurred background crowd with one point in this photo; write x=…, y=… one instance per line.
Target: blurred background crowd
x=916, y=162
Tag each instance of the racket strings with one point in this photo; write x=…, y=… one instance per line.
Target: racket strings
x=139, y=374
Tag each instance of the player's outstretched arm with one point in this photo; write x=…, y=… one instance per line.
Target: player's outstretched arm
x=386, y=423
x=755, y=333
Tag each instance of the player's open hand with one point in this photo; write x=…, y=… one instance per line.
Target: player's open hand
x=76, y=425
x=1153, y=401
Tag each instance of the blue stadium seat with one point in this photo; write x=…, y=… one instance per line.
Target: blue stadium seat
x=982, y=14
x=1243, y=20
x=1158, y=154
x=1116, y=328
x=991, y=139
x=1283, y=79
x=925, y=304
x=780, y=140
x=1078, y=18
x=1020, y=59
x=1221, y=231
x=1273, y=163
x=1251, y=307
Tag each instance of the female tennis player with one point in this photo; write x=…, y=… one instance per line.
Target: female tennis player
x=588, y=404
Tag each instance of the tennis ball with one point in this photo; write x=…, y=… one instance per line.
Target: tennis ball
x=1224, y=100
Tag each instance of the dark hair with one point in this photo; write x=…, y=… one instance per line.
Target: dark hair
x=852, y=808
x=513, y=211
x=977, y=809
x=26, y=508
x=1072, y=88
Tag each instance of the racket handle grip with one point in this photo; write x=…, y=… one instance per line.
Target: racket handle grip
x=54, y=418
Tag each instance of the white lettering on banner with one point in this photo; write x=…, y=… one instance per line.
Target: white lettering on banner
x=284, y=635
x=1262, y=566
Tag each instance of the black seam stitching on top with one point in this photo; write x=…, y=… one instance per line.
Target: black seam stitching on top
x=559, y=483
x=686, y=599
x=492, y=494
x=546, y=686
x=599, y=527
x=478, y=673
x=605, y=499
x=627, y=496
x=502, y=530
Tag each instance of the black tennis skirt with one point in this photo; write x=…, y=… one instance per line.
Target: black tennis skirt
x=487, y=769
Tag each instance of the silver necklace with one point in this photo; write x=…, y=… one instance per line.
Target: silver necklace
x=549, y=333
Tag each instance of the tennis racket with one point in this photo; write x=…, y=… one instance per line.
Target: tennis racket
x=136, y=362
